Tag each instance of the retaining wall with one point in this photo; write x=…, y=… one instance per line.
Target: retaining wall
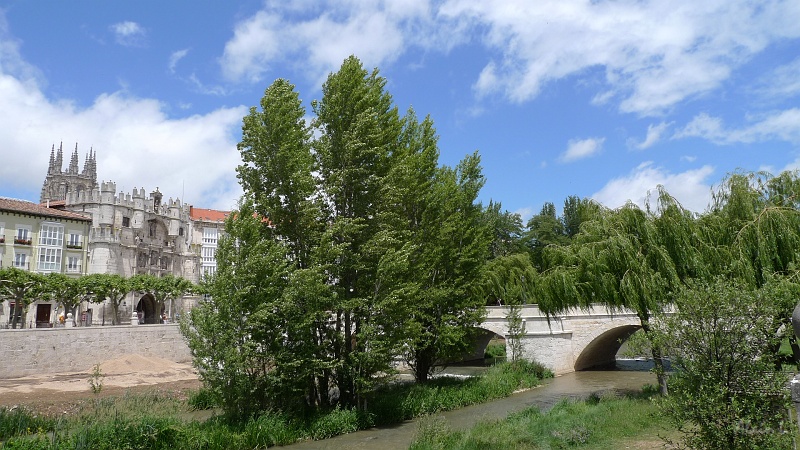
x=35, y=351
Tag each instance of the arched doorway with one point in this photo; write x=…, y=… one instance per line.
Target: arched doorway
x=146, y=308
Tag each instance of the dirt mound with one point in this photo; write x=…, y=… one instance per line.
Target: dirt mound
x=134, y=363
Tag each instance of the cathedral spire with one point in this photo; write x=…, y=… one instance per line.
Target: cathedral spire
x=59, y=158
x=73, y=162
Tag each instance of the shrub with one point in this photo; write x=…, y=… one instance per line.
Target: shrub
x=203, y=399
x=22, y=422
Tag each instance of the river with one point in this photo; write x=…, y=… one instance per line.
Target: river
x=573, y=385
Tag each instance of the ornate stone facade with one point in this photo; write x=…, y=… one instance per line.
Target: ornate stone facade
x=58, y=183
x=134, y=233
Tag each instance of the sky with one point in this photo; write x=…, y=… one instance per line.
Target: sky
x=603, y=99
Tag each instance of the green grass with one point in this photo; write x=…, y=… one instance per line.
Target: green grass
x=495, y=350
x=162, y=420
x=597, y=423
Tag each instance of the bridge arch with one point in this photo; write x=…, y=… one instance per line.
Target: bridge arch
x=602, y=348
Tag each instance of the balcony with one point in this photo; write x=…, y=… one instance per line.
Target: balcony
x=74, y=269
x=22, y=265
x=20, y=241
x=74, y=246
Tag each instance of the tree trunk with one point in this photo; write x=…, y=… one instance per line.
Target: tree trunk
x=658, y=360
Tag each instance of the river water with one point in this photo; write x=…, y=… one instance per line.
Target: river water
x=574, y=385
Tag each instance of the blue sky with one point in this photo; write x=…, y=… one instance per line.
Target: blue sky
x=601, y=99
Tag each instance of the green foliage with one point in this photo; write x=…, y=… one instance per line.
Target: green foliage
x=21, y=287
x=152, y=420
x=22, y=422
x=400, y=402
x=203, y=399
x=495, y=350
x=726, y=391
x=96, y=379
x=599, y=422
x=67, y=291
x=351, y=247
x=162, y=288
x=113, y=288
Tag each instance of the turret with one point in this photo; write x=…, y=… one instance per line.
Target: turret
x=156, y=196
x=107, y=191
x=137, y=220
x=174, y=217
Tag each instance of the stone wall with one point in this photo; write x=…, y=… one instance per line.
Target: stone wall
x=52, y=350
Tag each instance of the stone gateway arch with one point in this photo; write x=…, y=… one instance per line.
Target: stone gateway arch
x=575, y=341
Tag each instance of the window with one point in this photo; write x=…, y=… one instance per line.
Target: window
x=23, y=236
x=152, y=228
x=21, y=260
x=208, y=255
x=73, y=264
x=51, y=241
x=49, y=259
x=51, y=235
x=210, y=236
x=126, y=221
x=2, y=232
x=75, y=240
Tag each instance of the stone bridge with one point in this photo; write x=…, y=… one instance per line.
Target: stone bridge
x=575, y=341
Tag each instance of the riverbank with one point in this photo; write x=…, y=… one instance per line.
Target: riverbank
x=161, y=419
x=575, y=386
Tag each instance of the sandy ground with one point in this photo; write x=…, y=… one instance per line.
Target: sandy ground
x=55, y=393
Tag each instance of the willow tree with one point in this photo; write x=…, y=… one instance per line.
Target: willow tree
x=507, y=280
x=753, y=234
x=629, y=258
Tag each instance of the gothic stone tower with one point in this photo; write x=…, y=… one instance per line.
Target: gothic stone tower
x=58, y=183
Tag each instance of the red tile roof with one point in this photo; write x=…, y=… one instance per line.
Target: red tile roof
x=209, y=215
x=26, y=207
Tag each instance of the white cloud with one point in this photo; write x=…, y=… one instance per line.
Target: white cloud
x=582, y=148
x=654, y=54
x=690, y=188
x=10, y=60
x=782, y=126
x=654, y=133
x=129, y=34
x=525, y=213
x=318, y=37
x=783, y=82
x=175, y=57
x=137, y=144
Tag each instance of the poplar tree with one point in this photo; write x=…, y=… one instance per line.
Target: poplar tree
x=350, y=249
